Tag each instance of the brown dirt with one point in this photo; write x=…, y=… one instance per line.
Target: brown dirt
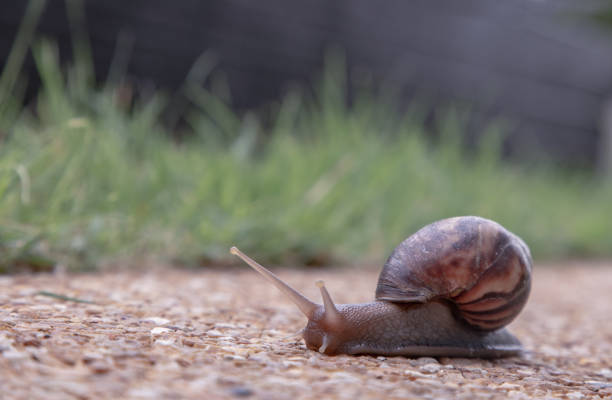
x=210, y=334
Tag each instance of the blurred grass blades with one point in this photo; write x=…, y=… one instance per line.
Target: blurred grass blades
x=63, y=297
x=309, y=178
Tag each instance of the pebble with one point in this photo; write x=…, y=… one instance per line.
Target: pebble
x=225, y=325
x=605, y=372
x=524, y=372
x=235, y=350
x=290, y=364
x=5, y=342
x=343, y=377
x=516, y=394
x=157, y=320
x=509, y=386
x=165, y=342
x=596, y=385
x=424, y=361
x=430, y=368
x=241, y=391
x=234, y=357
x=158, y=330
x=99, y=367
x=477, y=371
x=415, y=374
x=14, y=355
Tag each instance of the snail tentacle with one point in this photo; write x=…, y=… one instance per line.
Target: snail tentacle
x=331, y=316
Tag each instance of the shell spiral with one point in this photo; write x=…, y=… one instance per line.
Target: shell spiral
x=471, y=262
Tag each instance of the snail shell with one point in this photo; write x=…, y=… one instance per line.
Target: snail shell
x=475, y=264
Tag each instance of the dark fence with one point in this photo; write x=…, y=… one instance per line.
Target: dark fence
x=540, y=64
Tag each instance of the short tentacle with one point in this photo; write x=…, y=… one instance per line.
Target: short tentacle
x=331, y=316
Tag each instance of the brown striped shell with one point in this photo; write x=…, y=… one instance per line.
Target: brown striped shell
x=474, y=263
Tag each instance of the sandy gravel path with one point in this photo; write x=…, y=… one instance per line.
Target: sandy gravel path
x=211, y=334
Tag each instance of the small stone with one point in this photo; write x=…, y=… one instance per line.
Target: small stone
x=516, y=394
x=290, y=364
x=214, y=333
x=5, y=342
x=89, y=358
x=524, y=372
x=415, y=374
x=574, y=395
x=165, y=342
x=14, y=355
x=241, y=391
x=234, y=357
x=183, y=363
x=424, y=361
x=224, y=325
x=476, y=371
x=509, y=386
x=158, y=330
x=605, y=372
x=596, y=385
x=430, y=368
x=555, y=372
x=343, y=377
x=157, y=320
x=29, y=341
x=67, y=357
x=99, y=367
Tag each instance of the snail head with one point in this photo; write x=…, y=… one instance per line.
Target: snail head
x=323, y=320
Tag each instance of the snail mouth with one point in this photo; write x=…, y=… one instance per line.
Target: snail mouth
x=325, y=344
x=316, y=338
x=319, y=335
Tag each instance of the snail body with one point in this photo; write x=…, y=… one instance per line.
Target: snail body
x=447, y=290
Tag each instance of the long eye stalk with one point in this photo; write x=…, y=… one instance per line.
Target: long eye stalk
x=306, y=306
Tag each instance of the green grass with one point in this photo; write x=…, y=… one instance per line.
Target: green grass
x=87, y=179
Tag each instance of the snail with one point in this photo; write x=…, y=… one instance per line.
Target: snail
x=447, y=290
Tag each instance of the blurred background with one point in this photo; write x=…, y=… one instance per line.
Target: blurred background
x=306, y=133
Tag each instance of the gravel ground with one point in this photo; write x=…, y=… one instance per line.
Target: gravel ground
x=209, y=334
